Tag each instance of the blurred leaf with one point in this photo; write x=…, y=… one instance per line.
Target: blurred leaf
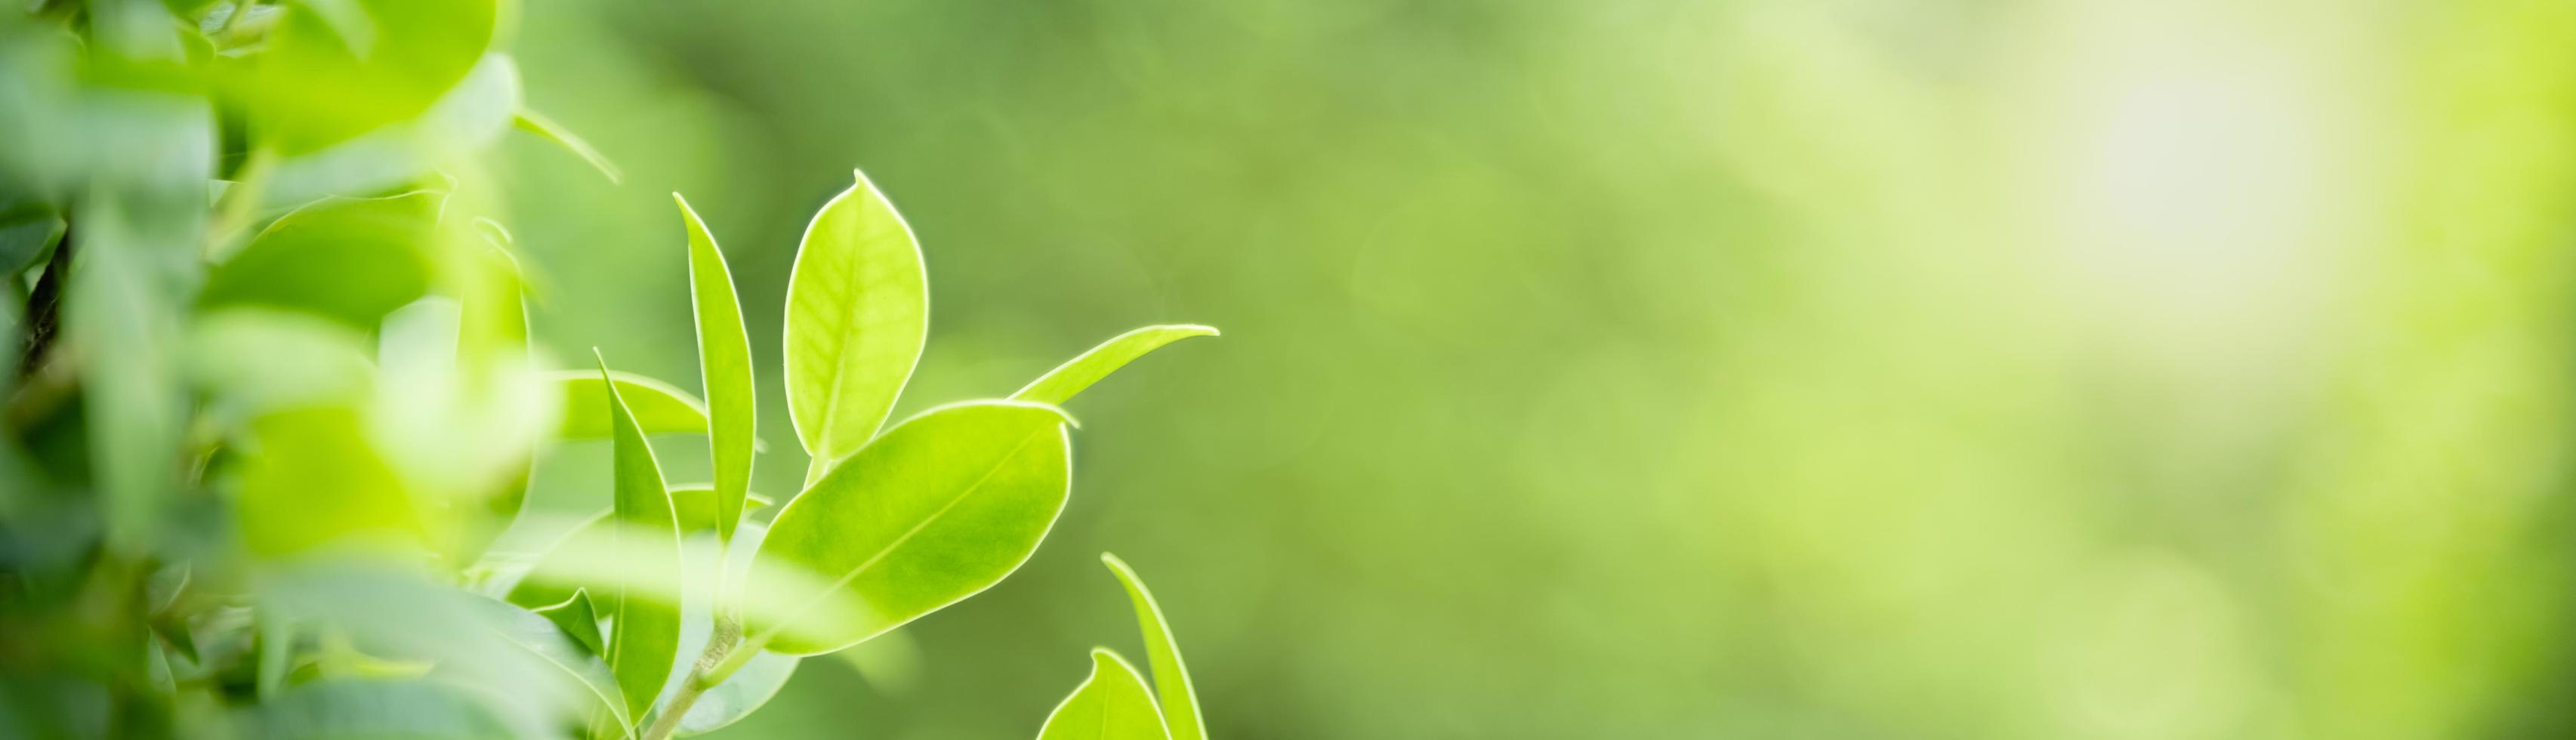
x=724, y=360
x=324, y=78
x=470, y=116
x=579, y=621
x=755, y=684
x=546, y=636
x=546, y=128
x=534, y=592
x=940, y=508
x=1111, y=704
x=858, y=308
x=347, y=19
x=27, y=234
x=1180, y=702
x=492, y=333
x=254, y=360
x=313, y=479
x=1068, y=379
x=137, y=247
x=354, y=709
x=351, y=260
x=644, y=635
x=657, y=407
x=695, y=506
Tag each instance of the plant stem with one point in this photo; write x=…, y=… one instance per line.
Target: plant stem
x=726, y=653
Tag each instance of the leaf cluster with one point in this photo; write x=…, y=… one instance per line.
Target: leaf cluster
x=271, y=399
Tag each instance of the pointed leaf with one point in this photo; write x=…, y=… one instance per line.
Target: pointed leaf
x=940, y=508
x=1180, y=702
x=858, y=308
x=1070, y=378
x=724, y=360
x=546, y=128
x=644, y=635
x=657, y=407
x=579, y=620
x=1110, y=705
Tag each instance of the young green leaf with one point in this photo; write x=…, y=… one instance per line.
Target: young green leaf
x=644, y=636
x=578, y=619
x=546, y=128
x=938, y=509
x=724, y=360
x=1109, y=705
x=858, y=308
x=1171, y=678
x=1060, y=384
x=657, y=407
x=351, y=260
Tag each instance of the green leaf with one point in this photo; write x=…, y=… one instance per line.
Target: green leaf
x=534, y=593
x=695, y=505
x=331, y=71
x=724, y=360
x=27, y=233
x=140, y=226
x=1109, y=705
x=1068, y=379
x=858, y=309
x=546, y=128
x=544, y=635
x=346, y=709
x=1171, y=677
x=940, y=508
x=755, y=684
x=657, y=407
x=351, y=260
x=492, y=335
x=579, y=620
x=644, y=636
x=250, y=361
x=312, y=479
x=472, y=115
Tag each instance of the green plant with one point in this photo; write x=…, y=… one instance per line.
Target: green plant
x=259, y=446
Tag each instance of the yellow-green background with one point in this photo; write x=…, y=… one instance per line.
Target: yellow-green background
x=1657, y=369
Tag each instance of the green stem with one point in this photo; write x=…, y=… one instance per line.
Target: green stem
x=726, y=653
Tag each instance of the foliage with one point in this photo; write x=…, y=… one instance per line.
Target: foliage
x=271, y=399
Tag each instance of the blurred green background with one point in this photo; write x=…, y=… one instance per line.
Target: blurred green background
x=1655, y=369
